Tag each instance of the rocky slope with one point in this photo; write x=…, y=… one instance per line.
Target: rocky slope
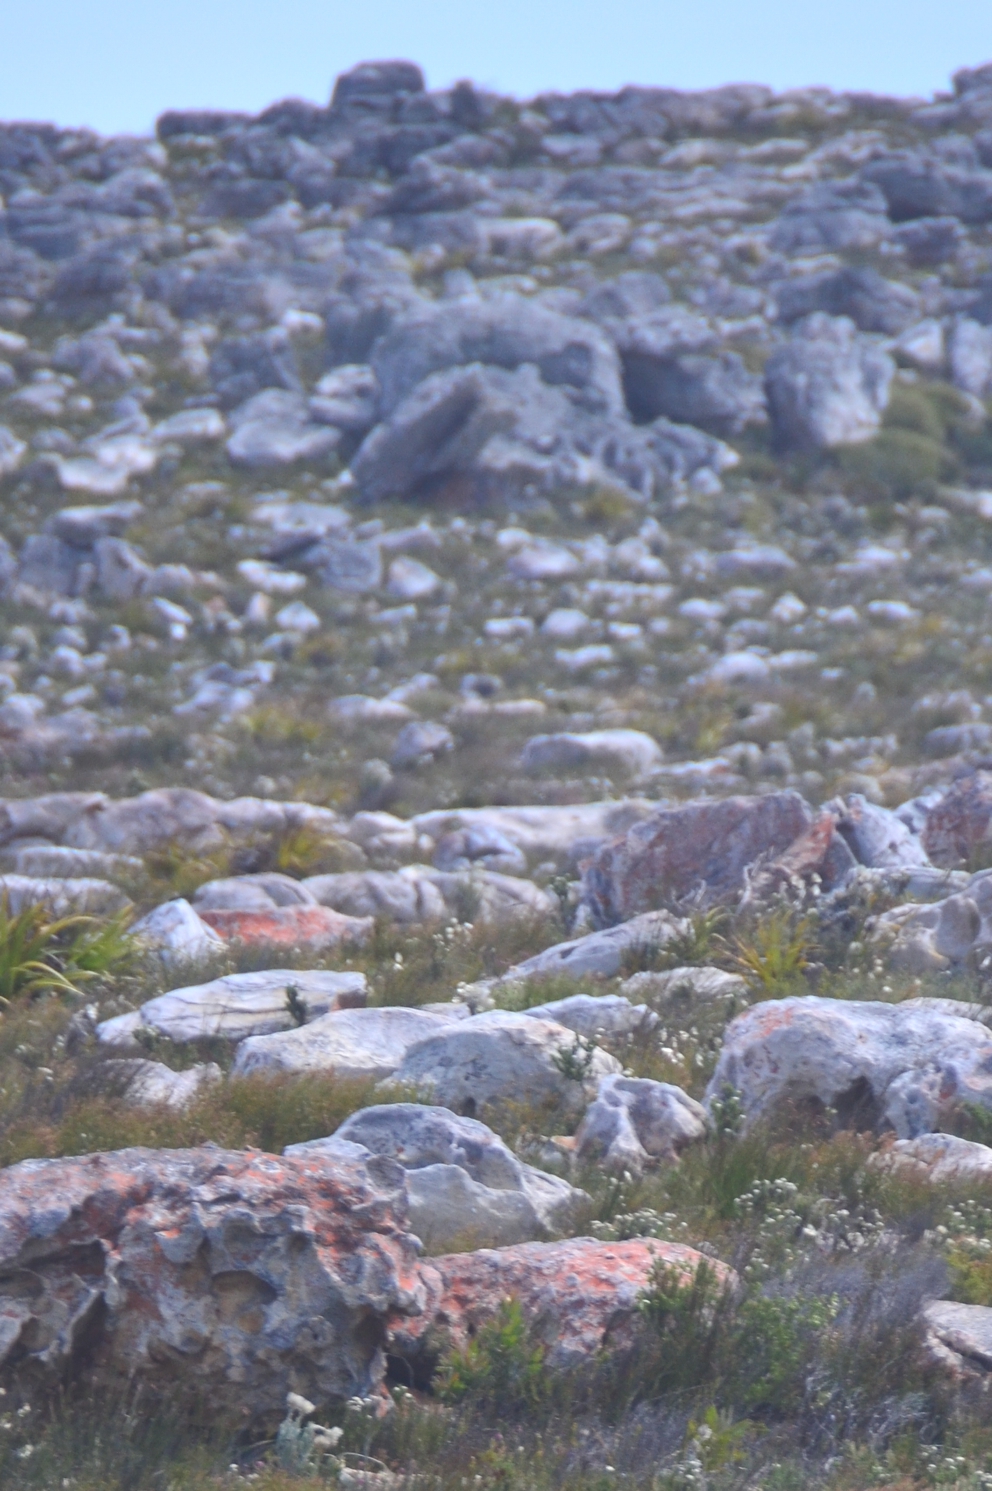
x=495, y=600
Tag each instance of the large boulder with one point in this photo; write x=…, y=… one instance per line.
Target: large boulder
x=238, y=1005
x=872, y=302
x=960, y=821
x=502, y=331
x=635, y=1122
x=498, y=1056
x=228, y=1277
x=465, y=1186
x=580, y=1296
x=355, y=1044
x=880, y=1066
x=828, y=385
x=702, y=848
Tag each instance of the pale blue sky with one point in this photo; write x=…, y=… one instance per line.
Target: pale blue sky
x=116, y=64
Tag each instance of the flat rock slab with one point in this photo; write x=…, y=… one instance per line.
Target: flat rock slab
x=959, y=1338
x=230, y=1277
x=239, y=1005
x=356, y=1044
x=315, y=927
x=581, y=1295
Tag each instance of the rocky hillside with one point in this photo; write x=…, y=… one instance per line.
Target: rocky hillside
x=496, y=723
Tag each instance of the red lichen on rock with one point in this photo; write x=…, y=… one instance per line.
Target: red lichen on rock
x=241, y=1275
x=580, y=1294
x=315, y=927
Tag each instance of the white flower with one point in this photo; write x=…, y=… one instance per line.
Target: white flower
x=298, y=1407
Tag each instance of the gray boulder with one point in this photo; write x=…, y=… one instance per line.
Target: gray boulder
x=880, y=1066
x=251, y=893
x=918, y=183
x=496, y=1056
x=827, y=386
x=634, y=1123
x=348, y=398
x=503, y=331
x=872, y=302
x=465, y=1186
x=878, y=838
x=831, y=216
x=151, y=1084
x=598, y=954
x=955, y=931
x=958, y=1338
x=592, y=1015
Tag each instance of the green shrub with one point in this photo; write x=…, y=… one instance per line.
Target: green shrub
x=502, y=1365
x=774, y=958
x=897, y=464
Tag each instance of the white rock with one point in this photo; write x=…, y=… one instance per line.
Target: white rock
x=938, y=1158
x=409, y=580
x=690, y=983
x=542, y=560
x=578, y=659
x=191, y=427
x=298, y=617
x=878, y=1065
x=240, y=1005
x=565, y=624
x=597, y=1014
x=154, y=1085
x=177, y=934
x=359, y=1045
x=362, y=709
x=82, y=896
x=634, y=1122
x=599, y=954
x=270, y=579
x=631, y=751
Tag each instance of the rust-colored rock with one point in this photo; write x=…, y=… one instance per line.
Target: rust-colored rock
x=960, y=821
x=581, y=1295
x=232, y=1276
x=699, y=847
x=314, y=927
